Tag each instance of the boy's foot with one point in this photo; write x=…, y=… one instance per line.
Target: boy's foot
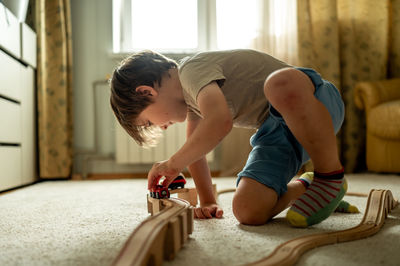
x=320, y=199
x=346, y=207
x=307, y=178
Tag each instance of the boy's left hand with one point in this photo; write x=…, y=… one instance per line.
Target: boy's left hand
x=160, y=169
x=208, y=211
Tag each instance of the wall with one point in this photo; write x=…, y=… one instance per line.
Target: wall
x=94, y=62
x=92, y=46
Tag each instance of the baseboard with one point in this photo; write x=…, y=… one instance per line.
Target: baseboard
x=2, y=192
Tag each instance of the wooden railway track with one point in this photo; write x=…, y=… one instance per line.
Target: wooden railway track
x=379, y=204
x=160, y=236
x=163, y=234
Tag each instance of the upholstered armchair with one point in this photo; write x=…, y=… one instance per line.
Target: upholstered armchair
x=381, y=102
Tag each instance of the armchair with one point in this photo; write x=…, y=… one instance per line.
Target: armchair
x=381, y=102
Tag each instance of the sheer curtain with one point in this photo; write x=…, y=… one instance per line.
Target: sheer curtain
x=276, y=30
x=266, y=25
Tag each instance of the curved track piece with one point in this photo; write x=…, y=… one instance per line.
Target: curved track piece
x=380, y=202
x=159, y=236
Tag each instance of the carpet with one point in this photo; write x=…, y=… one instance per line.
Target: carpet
x=87, y=223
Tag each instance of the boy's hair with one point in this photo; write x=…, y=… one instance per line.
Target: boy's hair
x=143, y=68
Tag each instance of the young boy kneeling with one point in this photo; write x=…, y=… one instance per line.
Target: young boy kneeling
x=296, y=112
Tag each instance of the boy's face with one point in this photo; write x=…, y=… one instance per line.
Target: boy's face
x=162, y=112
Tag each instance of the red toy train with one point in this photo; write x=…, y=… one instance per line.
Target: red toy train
x=160, y=192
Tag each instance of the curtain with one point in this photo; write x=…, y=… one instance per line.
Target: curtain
x=277, y=31
x=350, y=41
x=54, y=88
x=277, y=36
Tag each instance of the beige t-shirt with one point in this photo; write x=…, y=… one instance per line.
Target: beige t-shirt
x=240, y=74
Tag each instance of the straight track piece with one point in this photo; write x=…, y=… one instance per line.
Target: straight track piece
x=173, y=241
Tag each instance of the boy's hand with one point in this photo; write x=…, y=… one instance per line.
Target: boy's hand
x=208, y=211
x=160, y=169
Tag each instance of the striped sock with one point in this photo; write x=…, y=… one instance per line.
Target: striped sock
x=320, y=199
x=307, y=178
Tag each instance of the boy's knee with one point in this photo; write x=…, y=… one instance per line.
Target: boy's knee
x=286, y=88
x=249, y=212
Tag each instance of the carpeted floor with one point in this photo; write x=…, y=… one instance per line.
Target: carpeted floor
x=87, y=223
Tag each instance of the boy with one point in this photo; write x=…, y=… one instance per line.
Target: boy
x=296, y=112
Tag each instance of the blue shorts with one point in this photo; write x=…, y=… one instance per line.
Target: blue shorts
x=277, y=156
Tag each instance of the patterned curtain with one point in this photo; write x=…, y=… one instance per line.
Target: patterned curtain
x=277, y=36
x=54, y=85
x=350, y=41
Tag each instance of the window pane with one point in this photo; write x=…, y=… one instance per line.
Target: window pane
x=237, y=23
x=161, y=24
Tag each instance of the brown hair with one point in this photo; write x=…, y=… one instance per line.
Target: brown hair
x=143, y=68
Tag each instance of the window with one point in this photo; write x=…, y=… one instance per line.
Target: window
x=153, y=27
x=188, y=26
x=237, y=23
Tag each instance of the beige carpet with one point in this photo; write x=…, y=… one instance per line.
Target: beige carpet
x=87, y=222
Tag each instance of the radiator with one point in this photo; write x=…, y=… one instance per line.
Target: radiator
x=128, y=152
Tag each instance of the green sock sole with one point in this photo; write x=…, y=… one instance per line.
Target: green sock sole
x=346, y=207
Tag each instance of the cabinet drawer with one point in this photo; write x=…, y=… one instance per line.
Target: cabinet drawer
x=10, y=122
x=10, y=76
x=28, y=52
x=10, y=167
x=10, y=38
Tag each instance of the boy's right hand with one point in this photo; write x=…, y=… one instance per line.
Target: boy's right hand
x=207, y=211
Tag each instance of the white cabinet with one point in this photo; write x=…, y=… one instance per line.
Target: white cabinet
x=18, y=150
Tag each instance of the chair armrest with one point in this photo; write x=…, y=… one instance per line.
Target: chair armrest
x=370, y=94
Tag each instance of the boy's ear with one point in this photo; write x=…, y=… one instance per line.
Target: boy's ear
x=147, y=90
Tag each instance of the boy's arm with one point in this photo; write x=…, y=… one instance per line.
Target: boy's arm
x=200, y=172
x=215, y=125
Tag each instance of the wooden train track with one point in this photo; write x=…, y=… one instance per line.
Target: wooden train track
x=162, y=235
x=379, y=204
